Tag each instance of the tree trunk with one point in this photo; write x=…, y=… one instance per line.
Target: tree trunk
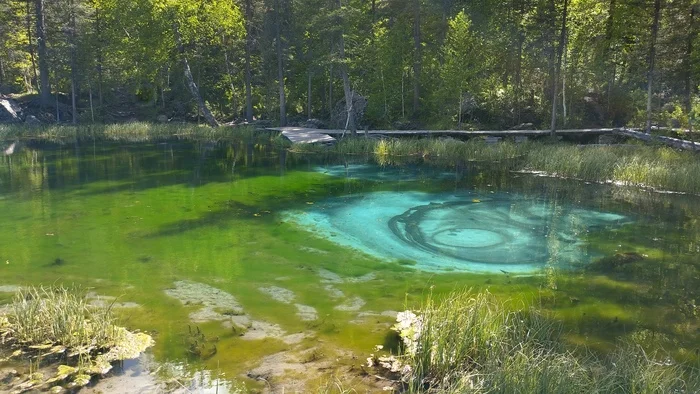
x=557, y=68
x=30, y=46
x=73, y=62
x=230, y=76
x=347, y=87
x=280, y=65
x=248, y=44
x=308, y=96
x=519, y=63
x=98, y=33
x=652, y=58
x=191, y=85
x=417, y=61
x=45, y=88
x=689, y=60
x=330, y=85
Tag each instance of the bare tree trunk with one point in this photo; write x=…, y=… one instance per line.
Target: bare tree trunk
x=519, y=63
x=347, y=87
x=557, y=67
x=230, y=76
x=98, y=32
x=308, y=95
x=92, y=109
x=45, y=88
x=652, y=59
x=280, y=65
x=417, y=61
x=688, y=61
x=73, y=62
x=248, y=77
x=330, y=86
x=191, y=85
x=30, y=45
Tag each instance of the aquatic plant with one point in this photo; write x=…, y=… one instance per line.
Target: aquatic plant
x=474, y=343
x=58, y=324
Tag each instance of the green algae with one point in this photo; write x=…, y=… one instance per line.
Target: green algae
x=130, y=221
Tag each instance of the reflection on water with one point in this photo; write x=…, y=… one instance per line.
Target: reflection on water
x=130, y=221
x=465, y=232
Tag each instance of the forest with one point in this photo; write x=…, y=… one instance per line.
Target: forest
x=402, y=64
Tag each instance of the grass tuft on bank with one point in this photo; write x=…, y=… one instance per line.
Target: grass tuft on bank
x=57, y=330
x=474, y=343
x=651, y=166
x=138, y=132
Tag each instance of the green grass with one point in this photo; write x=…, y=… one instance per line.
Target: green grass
x=58, y=316
x=139, y=132
x=50, y=326
x=650, y=166
x=474, y=343
x=636, y=165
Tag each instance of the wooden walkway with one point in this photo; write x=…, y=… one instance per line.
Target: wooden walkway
x=309, y=136
x=301, y=135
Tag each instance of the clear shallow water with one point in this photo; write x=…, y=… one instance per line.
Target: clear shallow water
x=137, y=221
x=466, y=231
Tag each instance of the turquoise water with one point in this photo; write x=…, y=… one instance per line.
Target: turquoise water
x=465, y=231
x=324, y=251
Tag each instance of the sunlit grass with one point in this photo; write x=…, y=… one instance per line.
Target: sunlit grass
x=58, y=325
x=138, y=132
x=475, y=343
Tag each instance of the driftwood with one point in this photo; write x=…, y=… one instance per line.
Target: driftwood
x=674, y=142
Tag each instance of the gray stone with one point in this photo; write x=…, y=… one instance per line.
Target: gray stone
x=10, y=111
x=32, y=120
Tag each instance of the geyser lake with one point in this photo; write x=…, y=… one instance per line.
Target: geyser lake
x=314, y=254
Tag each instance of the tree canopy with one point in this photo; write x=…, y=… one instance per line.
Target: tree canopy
x=427, y=63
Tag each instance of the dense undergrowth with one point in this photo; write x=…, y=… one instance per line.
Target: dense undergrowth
x=58, y=331
x=474, y=343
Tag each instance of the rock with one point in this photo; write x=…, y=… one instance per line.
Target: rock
x=162, y=119
x=340, y=115
x=10, y=111
x=314, y=124
x=32, y=121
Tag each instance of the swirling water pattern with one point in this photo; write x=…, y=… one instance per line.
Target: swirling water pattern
x=463, y=232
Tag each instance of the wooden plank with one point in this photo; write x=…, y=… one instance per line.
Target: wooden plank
x=301, y=137
x=494, y=133
x=674, y=142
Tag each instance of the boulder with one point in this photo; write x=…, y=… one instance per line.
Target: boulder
x=340, y=114
x=32, y=120
x=162, y=119
x=10, y=111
